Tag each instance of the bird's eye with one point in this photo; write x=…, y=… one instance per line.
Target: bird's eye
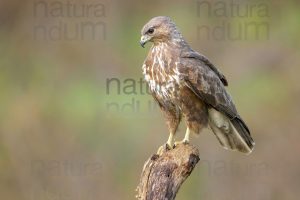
x=151, y=30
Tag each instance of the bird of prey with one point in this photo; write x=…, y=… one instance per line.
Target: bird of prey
x=187, y=85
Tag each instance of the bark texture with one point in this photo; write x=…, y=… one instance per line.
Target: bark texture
x=163, y=174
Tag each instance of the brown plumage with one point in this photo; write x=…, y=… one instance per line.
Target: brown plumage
x=187, y=85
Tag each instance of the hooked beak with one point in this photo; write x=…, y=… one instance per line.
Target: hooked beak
x=144, y=40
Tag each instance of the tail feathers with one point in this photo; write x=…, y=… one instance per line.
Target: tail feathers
x=242, y=129
x=232, y=133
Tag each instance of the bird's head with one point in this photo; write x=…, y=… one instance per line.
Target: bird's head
x=159, y=29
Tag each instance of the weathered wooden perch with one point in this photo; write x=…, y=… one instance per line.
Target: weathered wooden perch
x=163, y=175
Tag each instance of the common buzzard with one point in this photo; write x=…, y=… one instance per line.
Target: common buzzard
x=186, y=84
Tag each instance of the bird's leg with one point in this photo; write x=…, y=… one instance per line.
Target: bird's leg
x=166, y=146
x=170, y=140
x=186, y=138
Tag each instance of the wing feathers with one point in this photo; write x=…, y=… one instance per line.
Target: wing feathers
x=231, y=130
x=200, y=57
x=242, y=129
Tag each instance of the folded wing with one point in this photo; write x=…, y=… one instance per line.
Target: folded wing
x=209, y=85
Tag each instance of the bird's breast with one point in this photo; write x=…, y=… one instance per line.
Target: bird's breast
x=161, y=73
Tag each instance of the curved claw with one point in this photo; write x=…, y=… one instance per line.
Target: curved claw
x=164, y=148
x=180, y=142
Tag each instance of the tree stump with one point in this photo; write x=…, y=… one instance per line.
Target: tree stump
x=163, y=175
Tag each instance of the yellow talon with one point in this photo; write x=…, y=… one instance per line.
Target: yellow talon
x=186, y=139
x=167, y=146
x=164, y=148
x=180, y=142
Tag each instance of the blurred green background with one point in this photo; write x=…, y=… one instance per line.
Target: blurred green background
x=68, y=130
